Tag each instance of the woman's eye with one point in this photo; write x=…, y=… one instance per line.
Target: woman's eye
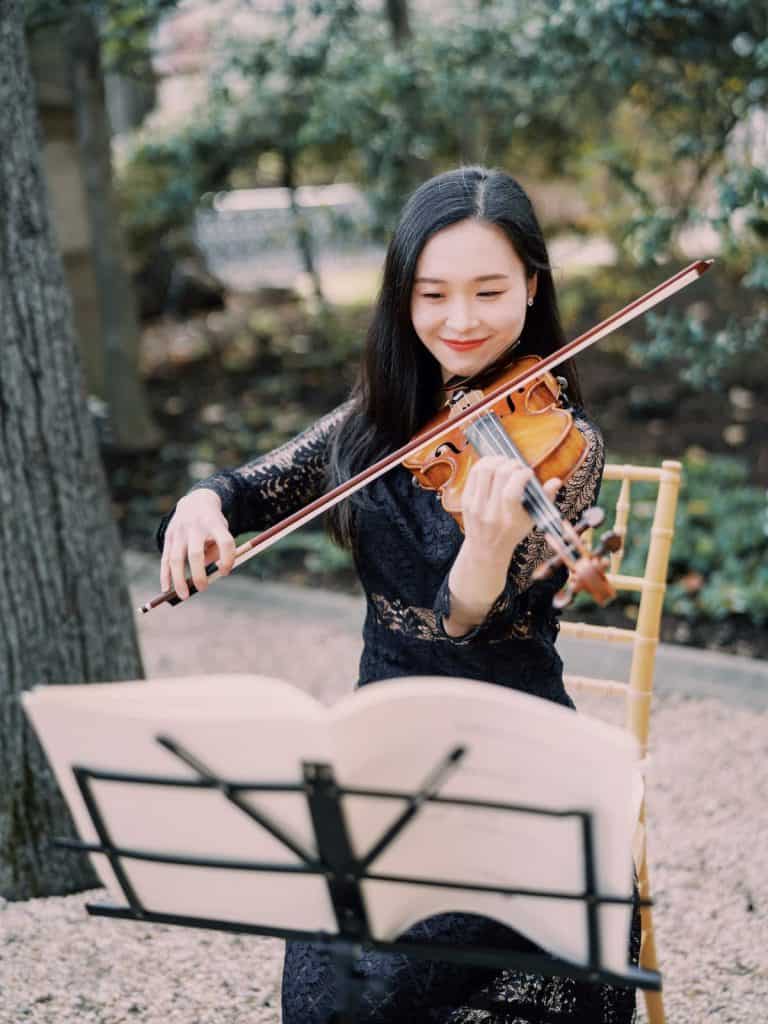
x=439, y=295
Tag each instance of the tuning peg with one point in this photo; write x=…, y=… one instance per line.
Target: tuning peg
x=586, y=572
x=610, y=542
x=590, y=519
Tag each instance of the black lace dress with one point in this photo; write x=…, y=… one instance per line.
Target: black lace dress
x=406, y=545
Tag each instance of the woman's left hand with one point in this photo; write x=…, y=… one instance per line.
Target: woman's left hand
x=495, y=520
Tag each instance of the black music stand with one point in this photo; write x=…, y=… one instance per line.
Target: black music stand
x=344, y=872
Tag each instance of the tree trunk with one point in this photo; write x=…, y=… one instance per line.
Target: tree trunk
x=474, y=134
x=399, y=21
x=65, y=615
x=476, y=126
x=302, y=233
x=411, y=169
x=122, y=388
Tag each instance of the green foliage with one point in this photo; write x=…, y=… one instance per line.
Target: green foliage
x=719, y=556
x=125, y=25
x=653, y=108
x=705, y=356
x=444, y=96
x=268, y=84
x=682, y=91
x=260, y=92
x=309, y=551
x=126, y=29
x=161, y=185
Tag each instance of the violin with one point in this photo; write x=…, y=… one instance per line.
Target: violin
x=530, y=424
x=533, y=425
x=522, y=398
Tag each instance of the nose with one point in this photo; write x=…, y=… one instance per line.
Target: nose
x=461, y=317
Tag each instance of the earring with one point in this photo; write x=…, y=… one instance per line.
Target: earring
x=530, y=300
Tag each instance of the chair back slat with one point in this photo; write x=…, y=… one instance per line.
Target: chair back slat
x=652, y=600
x=651, y=586
x=621, y=519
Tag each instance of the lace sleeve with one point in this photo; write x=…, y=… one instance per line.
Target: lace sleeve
x=520, y=595
x=272, y=486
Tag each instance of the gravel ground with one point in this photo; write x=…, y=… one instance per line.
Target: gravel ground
x=708, y=791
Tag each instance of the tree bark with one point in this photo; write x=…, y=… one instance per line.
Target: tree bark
x=65, y=615
x=122, y=388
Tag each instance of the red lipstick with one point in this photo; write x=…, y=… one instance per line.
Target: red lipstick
x=460, y=345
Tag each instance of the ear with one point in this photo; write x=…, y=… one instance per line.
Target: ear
x=533, y=284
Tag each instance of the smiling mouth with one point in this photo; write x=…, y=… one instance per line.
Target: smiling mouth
x=463, y=344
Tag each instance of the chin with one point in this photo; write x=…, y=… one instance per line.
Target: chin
x=461, y=367
x=467, y=364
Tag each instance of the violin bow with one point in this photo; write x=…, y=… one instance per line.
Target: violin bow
x=270, y=536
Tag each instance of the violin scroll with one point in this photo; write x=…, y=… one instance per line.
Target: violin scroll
x=589, y=571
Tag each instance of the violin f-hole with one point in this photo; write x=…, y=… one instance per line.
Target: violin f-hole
x=446, y=445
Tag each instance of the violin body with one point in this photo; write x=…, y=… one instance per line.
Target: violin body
x=533, y=416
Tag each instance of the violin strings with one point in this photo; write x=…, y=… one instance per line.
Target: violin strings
x=544, y=510
x=502, y=441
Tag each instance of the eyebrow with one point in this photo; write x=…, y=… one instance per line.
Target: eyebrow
x=439, y=280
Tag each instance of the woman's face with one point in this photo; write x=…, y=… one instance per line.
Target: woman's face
x=469, y=296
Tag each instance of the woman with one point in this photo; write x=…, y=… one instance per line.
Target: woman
x=467, y=288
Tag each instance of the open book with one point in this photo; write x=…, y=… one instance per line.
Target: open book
x=389, y=736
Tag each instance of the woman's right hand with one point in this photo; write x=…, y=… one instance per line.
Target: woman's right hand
x=198, y=533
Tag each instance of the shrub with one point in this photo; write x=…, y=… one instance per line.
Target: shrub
x=718, y=562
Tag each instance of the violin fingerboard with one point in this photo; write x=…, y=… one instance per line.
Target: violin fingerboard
x=488, y=437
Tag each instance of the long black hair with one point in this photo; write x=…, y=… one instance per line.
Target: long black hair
x=399, y=378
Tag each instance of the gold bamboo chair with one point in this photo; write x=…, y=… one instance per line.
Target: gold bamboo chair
x=637, y=691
